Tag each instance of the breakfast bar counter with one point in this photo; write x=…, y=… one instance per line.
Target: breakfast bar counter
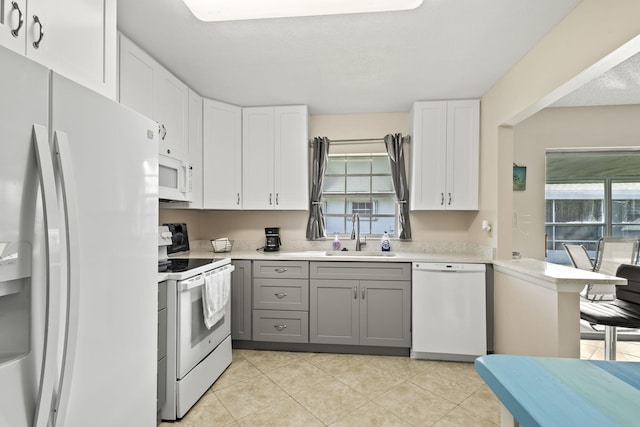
x=537, y=307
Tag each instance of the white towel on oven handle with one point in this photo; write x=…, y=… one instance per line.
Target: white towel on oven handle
x=215, y=295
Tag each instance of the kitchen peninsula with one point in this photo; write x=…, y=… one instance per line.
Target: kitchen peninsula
x=537, y=307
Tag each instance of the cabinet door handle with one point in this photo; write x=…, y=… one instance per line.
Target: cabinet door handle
x=277, y=196
x=164, y=132
x=270, y=197
x=441, y=199
x=355, y=292
x=280, y=294
x=280, y=270
x=449, y=199
x=237, y=198
x=16, y=30
x=36, y=20
x=280, y=327
x=363, y=291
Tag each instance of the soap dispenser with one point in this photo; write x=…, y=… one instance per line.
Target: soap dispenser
x=336, y=244
x=385, y=243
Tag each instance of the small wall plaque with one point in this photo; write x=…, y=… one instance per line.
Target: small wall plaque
x=519, y=178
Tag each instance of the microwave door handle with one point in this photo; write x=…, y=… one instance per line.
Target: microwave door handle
x=52, y=244
x=69, y=193
x=186, y=188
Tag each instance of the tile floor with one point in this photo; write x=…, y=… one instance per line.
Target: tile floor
x=269, y=388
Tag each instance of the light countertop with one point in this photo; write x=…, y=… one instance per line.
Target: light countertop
x=553, y=276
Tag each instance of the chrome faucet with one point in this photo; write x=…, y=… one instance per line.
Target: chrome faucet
x=359, y=244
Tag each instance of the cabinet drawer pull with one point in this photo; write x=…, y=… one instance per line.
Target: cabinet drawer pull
x=280, y=327
x=36, y=20
x=16, y=30
x=280, y=270
x=280, y=294
x=363, y=291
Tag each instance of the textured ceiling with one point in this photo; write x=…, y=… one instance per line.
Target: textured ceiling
x=360, y=63
x=618, y=86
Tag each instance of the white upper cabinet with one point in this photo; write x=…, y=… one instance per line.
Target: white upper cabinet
x=275, y=162
x=222, y=156
x=147, y=87
x=445, y=155
x=195, y=157
x=75, y=38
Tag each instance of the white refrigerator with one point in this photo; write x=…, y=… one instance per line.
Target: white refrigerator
x=78, y=254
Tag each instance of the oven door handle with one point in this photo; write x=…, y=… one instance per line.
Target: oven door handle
x=198, y=281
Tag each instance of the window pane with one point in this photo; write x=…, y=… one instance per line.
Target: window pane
x=582, y=190
x=358, y=184
x=381, y=224
x=381, y=184
x=385, y=205
x=359, y=165
x=334, y=206
x=358, y=205
x=578, y=211
x=381, y=165
x=587, y=235
x=333, y=184
x=335, y=225
x=625, y=203
x=336, y=165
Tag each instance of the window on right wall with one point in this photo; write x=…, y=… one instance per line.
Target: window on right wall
x=588, y=196
x=359, y=184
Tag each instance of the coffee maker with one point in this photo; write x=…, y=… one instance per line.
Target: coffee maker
x=273, y=239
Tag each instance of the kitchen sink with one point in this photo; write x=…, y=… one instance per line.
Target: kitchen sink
x=360, y=254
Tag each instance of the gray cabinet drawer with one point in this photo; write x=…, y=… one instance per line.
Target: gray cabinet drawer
x=280, y=326
x=279, y=294
x=360, y=270
x=281, y=269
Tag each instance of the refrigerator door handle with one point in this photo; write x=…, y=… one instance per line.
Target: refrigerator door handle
x=68, y=191
x=52, y=243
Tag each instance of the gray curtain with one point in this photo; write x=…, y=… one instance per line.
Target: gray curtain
x=395, y=144
x=316, y=226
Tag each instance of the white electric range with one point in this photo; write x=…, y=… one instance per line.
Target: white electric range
x=196, y=355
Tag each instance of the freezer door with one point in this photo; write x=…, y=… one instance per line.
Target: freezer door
x=24, y=271
x=108, y=169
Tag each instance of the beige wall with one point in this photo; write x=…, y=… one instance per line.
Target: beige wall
x=596, y=36
x=561, y=128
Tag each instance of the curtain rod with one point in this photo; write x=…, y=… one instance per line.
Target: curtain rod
x=352, y=141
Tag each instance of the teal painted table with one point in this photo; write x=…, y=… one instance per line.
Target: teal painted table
x=545, y=392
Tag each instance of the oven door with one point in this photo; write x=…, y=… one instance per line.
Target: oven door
x=194, y=340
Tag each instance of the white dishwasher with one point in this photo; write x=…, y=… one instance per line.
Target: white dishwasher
x=449, y=311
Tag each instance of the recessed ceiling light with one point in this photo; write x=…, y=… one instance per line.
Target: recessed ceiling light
x=235, y=10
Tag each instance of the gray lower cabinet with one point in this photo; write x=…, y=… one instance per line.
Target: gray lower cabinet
x=360, y=303
x=241, y=300
x=281, y=301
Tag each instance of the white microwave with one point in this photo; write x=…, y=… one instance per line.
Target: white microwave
x=175, y=179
